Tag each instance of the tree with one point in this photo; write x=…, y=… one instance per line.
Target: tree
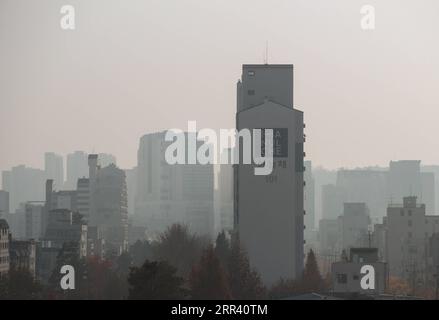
x=222, y=249
x=398, y=286
x=180, y=248
x=208, y=280
x=285, y=288
x=155, y=281
x=140, y=251
x=123, y=263
x=312, y=281
x=19, y=284
x=245, y=283
x=102, y=281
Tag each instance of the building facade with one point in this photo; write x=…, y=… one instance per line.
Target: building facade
x=4, y=202
x=269, y=210
x=169, y=194
x=4, y=248
x=54, y=169
x=347, y=275
x=23, y=255
x=408, y=233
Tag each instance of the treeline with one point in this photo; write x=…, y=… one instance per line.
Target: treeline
x=178, y=265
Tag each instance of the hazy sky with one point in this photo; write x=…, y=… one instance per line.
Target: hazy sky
x=134, y=67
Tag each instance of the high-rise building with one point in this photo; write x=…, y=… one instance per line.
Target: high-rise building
x=225, y=198
x=363, y=186
x=405, y=179
x=105, y=159
x=169, y=194
x=354, y=225
x=77, y=167
x=4, y=202
x=109, y=207
x=54, y=168
x=64, y=199
x=34, y=220
x=24, y=184
x=269, y=210
x=83, y=198
x=331, y=207
x=6, y=180
x=131, y=177
x=428, y=188
x=435, y=170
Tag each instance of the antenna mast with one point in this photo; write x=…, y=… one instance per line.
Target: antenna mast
x=266, y=52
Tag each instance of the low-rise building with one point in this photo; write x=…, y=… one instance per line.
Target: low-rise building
x=347, y=273
x=408, y=233
x=23, y=255
x=64, y=228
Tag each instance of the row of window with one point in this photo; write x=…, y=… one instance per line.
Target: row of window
x=4, y=259
x=343, y=278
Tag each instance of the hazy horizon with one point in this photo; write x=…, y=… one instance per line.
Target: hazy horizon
x=139, y=67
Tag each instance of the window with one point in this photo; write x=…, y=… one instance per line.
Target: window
x=410, y=213
x=355, y=277
x=342, y=278
x=251, y=92
x=410, y=223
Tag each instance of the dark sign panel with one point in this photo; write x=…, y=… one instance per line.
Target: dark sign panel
x=280, y=142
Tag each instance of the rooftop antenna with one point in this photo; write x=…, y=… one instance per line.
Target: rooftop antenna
x=266, y=53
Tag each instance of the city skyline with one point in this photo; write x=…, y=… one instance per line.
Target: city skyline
x=219, y=150
x=366, y=73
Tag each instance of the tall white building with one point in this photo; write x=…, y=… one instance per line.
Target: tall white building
x=269, y=210
x=168, y=194
x=54, y=168
x=77, y=167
